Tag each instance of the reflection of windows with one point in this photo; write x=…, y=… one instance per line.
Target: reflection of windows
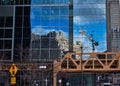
x=26, y=1
x=27, y=10
x=44, y=42
x=2, y=20
x=9, y=22
x=18, y=32
x=26, y=33
x=55, y=53
x=8, y=44
x=48, y=18
x=53, y=43
x=19, y=10
x=49, y=2
x=36, y=43
x=1, y=44
x=55, y=10
x=26, y=42
x=7, y=55
x=17, y=43
x=18, y=21
x=35, y=54
x=19, y=1
x=1, y=33
x=45, y=11
x=26, y=21
x=8, y=33
x=45, y=54
x=22, y=1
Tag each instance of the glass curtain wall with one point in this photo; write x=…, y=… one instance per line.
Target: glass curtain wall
x=49, y=26
x=6, y=33
x=90, y=24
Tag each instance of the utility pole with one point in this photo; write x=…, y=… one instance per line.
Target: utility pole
x=46, y=81
x=82, y=84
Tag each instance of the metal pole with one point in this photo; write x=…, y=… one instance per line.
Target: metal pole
x=81, y=67
x=54, y=79
x=60, y=82
x=46, y=81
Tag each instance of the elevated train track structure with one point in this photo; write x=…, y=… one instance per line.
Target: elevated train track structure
x=94, y=62
x=72, y=62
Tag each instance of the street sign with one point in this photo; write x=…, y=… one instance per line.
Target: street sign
x=13, y=70
x=13, y=80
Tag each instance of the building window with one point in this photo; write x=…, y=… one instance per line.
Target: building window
x=18, y=21
x=1, y=33
x=9, y=22
x=18, y=2
x=26, y=10
x=19, y=10
x=1, y=44
x=8, y=33
x=2, y=20
x=8, y=44
x=18, y=32
x=26, y=1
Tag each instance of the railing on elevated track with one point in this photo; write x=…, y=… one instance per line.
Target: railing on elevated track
x=89, y=62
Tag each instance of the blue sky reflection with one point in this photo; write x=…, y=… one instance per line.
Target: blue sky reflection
x=89, y=15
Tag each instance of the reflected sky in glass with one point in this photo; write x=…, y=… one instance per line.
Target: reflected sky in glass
x=49, y=18
x=89, y=15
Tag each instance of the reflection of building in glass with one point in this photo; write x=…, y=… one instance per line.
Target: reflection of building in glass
x=49, y=21
x=62, y=41
x=90, y=16
x=48, y=26
x=113, y=25
x=52, y=44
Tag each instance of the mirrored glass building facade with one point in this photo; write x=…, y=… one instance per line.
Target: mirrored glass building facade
x=46, y=30
x=49, y=26
x=33, y=30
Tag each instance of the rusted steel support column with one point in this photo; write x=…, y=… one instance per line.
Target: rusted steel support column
x=54, y=79
x=118, y=55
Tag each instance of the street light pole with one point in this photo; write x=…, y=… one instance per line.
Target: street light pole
x=60, y=82
x=81, y=66
x=46, y=81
